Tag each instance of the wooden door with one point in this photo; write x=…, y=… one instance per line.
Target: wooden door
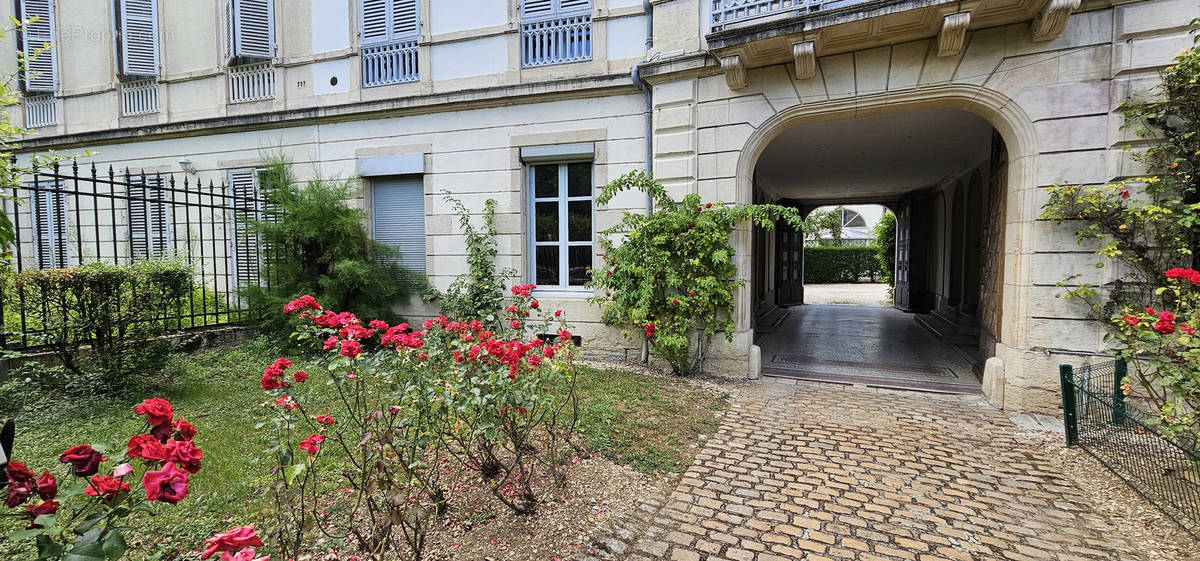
x=902, y=286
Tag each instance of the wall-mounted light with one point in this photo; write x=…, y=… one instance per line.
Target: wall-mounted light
x=185, y=164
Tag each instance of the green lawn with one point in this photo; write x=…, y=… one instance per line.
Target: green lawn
x=647, y=422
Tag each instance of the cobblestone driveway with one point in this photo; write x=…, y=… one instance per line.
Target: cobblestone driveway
x=803, y=470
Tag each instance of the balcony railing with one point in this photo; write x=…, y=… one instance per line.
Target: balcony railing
x=390, y=63
x=725, y=12
x=556, y=41
x=139, y=97
x=41, y=111
x=251, y=82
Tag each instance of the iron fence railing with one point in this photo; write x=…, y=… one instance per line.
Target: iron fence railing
x=390, y=63
x=139, y=97
x=556, y=41
x=65, y=216
x=251, y=82
x=725, y=12
x=1101, y=421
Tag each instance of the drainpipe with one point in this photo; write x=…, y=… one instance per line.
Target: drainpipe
x=647, y=96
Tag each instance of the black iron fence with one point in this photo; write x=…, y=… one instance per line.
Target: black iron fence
x=1102, y=421
x=65, y=216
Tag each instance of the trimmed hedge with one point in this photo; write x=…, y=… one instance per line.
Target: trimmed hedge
x=829, y=264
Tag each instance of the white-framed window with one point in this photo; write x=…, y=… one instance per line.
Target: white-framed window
x=555, y=32
x=249, y=30
x=37, y=37
x=149, y=217
x=137, y=37
x=398, y=218
x=389, y=30
x=246, y=249
x=50, y=245
x=560, y=224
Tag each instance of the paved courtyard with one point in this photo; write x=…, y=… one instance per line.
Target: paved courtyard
x=817, y=471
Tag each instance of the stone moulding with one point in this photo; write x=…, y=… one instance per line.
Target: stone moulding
x=953, y=33
x=735, y=71
x=1052, y=19
x=805, y=55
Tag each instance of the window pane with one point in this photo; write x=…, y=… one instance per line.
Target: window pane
x=580, y=257
x=579, y=221
x=547, y=265
x=546, y=221
x=545, y=181
x=579, y=179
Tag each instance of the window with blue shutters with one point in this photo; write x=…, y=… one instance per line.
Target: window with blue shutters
x=398, y=218
x=250, y=30
x=246, y=251
x=137, y=37
x=389, y=31
x=38, y=59
x=51, y=250
x=555, y=31
x=149, y=217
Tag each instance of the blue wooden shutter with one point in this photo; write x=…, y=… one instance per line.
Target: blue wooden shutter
x=138, y=37
x=50, y=226
x=398, y=218
x=149, y=217
x=571, y=7
x=253, y=28
x=246, y=251
x=389, y=20
x=536, y=9
x=41, y=70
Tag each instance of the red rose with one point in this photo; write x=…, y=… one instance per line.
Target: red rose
x=1150, y=310
x=1131, y=320
x=515, y=324
x=1124, y=193
x=301, y=303
x=243, y=555
x=186, y=454
x=83, y=458
x=351, y=349
x=312, y=443
x=675, y=302
x=1187, y=329
x=47, y=507
x=157, y=410
x=707, y=205
x=270, y=382
x=299, y=376
x=1164, y=327
x=650, y=330
x=185, y=429
x=378, y=324
x=21, y=483
x=233, y=538
x=106, y=486
x=162, y=432
x=168, y=485
x=47, y=486
x=147, y=447
x=534, y=304
x=557, y=313
x=330, y=343
x=692, y=293
x=1166, y=316
x=325, y=420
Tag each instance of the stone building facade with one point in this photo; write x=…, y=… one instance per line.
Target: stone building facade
x=955, y=114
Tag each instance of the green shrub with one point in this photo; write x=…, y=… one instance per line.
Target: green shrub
x=885, y=237
x=318, y=244
x=113, y=310
x=672, y=277
x=826, y=264
x=478, y=294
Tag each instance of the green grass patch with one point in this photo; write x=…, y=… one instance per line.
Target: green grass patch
x=642, y=421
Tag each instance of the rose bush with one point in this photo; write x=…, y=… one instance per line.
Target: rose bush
x=417, y=408
x=87, y=518
x=1163, y=351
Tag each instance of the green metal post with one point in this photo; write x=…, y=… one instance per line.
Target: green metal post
x=1070, y=421
x=1121, y=370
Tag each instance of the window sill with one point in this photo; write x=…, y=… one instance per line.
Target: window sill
x=563, y=292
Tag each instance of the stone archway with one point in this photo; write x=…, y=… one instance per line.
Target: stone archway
x=1009, y=122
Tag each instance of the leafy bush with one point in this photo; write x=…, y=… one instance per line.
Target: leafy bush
x=885, y=238
x=673, y=274
x=317, y=244
x=479, y=294
x=415, y=409
x=88, y=517
x=1163, y=351
x=826, y=264
x=113, y=310
x=825, y=227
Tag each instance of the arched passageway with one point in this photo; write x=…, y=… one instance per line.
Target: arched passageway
x=942, y=171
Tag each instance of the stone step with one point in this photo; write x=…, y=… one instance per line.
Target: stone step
x=947, y=332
